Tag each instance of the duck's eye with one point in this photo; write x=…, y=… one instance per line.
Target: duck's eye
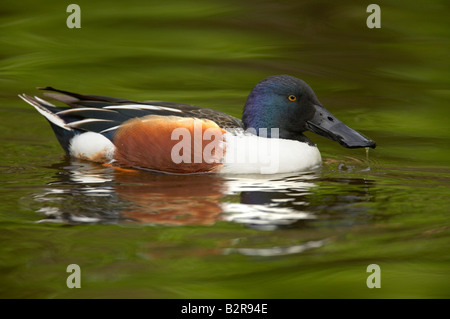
x=292, y=97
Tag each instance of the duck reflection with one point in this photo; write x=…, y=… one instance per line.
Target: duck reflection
x=170, y=199
x=86, y=192
x=269, y=203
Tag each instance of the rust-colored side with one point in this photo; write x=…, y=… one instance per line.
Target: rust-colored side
x=148, y=142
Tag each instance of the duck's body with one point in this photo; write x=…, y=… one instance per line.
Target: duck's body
x=180, y=138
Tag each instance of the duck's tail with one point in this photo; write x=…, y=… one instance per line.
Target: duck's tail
x=63, y=132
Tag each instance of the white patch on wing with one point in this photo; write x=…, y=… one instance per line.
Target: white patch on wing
x=77, y=123
x=110, y=129
x=92, y=146
x=141, y=107
x=75, y=110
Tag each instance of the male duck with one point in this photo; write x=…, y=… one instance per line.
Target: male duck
x=180, y=138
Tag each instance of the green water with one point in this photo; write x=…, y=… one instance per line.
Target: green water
x=304, y=235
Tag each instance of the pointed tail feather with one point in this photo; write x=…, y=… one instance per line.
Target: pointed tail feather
x=63, y=132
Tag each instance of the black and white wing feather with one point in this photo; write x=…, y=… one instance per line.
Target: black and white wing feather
x=104, y=114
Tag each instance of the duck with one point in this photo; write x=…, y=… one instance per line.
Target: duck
x=178, y=138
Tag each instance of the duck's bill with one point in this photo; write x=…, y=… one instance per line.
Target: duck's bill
x=325, y=124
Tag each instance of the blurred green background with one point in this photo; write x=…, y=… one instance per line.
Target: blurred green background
x=392, y=84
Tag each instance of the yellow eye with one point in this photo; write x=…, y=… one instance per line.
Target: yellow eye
x=292, y=98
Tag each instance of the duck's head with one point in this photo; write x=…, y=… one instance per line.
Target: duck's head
x=289, y=104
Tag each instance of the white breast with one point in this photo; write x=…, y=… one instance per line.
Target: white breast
x=251, y=154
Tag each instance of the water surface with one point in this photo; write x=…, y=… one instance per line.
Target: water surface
x=299, y=235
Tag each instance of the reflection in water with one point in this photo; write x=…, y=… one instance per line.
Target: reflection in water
x=170, y=199
x=267, y=203
x=90, y=193
x=86, y=192
x=277, y=251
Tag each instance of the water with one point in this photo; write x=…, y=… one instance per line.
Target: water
x=302, y=235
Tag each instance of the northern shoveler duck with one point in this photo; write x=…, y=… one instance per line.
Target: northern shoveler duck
x=180, y=138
